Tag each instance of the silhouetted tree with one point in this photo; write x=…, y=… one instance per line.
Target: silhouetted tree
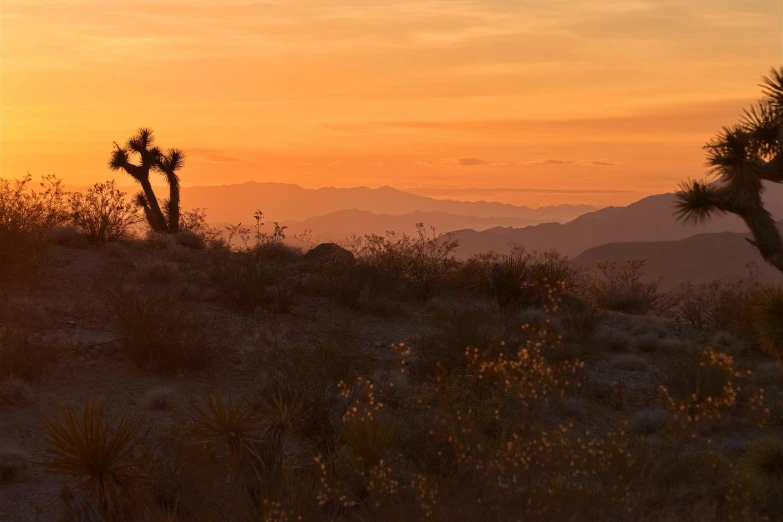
x=741, y=158
x=142, y=147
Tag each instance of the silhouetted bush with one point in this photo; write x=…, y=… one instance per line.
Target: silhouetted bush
x=103, y=213
x=622, y=288
x=158, y=332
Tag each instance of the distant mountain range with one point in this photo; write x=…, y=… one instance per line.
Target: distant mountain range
x=287, y=202
x=703, y=257
x=337, y=225
x=650, y=219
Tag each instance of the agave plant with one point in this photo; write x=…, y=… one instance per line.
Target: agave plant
x=234, y=426
x=368, y=439
x=149, y=158
x=97, y=455
x=767, y=318
x=741, y=158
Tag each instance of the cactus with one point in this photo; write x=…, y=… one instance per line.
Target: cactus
x=741, y=158
x=151, y=157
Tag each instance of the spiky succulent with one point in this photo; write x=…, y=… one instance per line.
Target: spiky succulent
x=740, y=159
x=97, y=455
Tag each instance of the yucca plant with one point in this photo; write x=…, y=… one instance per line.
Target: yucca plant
x=368, y=439
x=97, y=455
x=234, y=426
x=741, y=158
x=510, y=280
x=767, y=320
x=764, y=464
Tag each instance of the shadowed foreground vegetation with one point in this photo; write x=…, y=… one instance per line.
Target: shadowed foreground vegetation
x=515, y=389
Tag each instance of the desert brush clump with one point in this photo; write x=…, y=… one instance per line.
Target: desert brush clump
x=27, y=215
x=522, y=278
x=157, y=331
x=103, y=213
x=96, y=456
x=417, y=265
x=622, y=288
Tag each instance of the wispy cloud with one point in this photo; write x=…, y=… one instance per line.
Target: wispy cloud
x=472, y=162
x=553, y=162
x=213, y=155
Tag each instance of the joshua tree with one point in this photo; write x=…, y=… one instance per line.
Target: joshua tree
x=741, y=158
x=150, y=158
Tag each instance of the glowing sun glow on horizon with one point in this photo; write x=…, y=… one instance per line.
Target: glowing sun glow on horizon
x=558, y=101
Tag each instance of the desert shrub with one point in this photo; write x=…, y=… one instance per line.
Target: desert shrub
x=621, y=288
x=473, y=276
x=25, y=355
x=717, y=305
x=68, y=236
x=461, y=328
x=26, y=216
x=607, y=338
x=13, y=462
x=250, y=280
x=195, y=231
x=522, y=278
x=579, y=320
x=158, y=272
x=158, y=332
x=103, y=213
x=420, y=263
x=688, y=374
x=190, y=239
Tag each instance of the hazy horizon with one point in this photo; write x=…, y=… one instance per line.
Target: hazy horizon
x=563, y=102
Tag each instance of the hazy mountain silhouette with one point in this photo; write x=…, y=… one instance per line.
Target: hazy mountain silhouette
x=703, y=257
x=343, y=223
x=283, y=202
x=650, y=219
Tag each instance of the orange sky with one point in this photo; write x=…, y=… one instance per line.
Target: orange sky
x=531, y=102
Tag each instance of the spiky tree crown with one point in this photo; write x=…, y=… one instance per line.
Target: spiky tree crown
x=138, y=157
x=740, y=158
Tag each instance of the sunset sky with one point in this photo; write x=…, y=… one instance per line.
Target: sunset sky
x=512, y=100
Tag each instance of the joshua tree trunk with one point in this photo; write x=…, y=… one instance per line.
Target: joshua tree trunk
x=173, y=207
x=152, y=210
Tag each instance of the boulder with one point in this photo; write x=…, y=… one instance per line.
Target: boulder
x=330, y=253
